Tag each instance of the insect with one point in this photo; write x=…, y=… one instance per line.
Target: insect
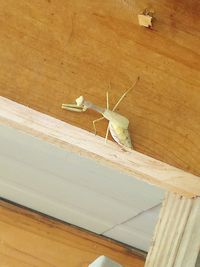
x=118, y=124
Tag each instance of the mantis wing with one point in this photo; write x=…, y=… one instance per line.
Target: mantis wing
x=120, y=135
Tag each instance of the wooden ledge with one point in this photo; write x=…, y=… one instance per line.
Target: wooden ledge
x=87, y=144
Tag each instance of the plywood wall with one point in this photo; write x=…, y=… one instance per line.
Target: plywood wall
x=28, y=239
x=53, y=51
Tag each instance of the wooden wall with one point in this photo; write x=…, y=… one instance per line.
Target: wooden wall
x=28, y=239
x=53, y=51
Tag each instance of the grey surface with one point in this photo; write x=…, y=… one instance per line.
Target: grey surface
x=137, y=231
x=71, y=187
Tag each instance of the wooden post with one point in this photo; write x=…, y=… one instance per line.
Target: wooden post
x=176, y=240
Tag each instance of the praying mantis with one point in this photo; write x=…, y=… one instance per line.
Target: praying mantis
x=118, y=124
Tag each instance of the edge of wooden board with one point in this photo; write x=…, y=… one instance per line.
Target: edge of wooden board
x=79, y=141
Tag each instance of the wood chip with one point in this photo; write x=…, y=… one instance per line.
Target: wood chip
x=145, y=20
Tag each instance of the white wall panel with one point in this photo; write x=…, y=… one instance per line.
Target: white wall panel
x=31, y=199
x=68, y=186
x=138, y=231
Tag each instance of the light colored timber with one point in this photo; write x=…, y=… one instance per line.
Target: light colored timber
x=76, y=140
x=28, y=239
x=176, y=241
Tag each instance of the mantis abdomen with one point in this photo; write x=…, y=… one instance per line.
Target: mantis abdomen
x=118, y=126
x=120, y=135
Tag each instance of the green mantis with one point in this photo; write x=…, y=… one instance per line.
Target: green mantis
x=118, y=124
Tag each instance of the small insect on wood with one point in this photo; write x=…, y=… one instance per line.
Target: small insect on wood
x=118, y=124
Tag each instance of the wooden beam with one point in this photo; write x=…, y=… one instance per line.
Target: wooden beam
x=50, y=54
x=80, y=141
x=31, y=239
x=176, y=242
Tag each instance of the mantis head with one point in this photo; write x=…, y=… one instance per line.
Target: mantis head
x=78, y=107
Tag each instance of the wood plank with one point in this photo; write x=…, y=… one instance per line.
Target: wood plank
x=30, y=239
x=176, y=241
x=88, y=145
x=53, y=51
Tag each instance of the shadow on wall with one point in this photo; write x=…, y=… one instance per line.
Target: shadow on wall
x=198, y=261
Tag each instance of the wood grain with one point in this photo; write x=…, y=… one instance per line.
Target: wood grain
x=53, y=51
x=28, y=239
x=79, y=141
x=176, y=239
